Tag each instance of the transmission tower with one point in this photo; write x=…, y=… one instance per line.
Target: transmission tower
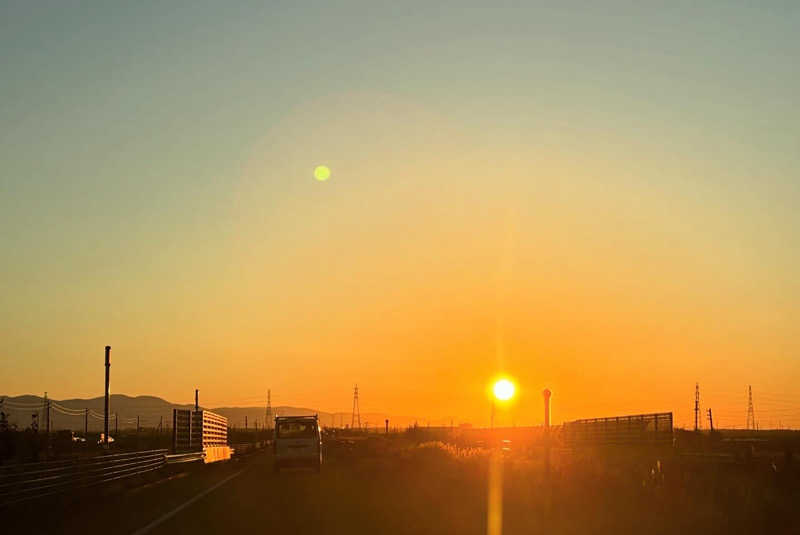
x=268, y=420
x=356, y=417
x=696, y=406
x=751, y=417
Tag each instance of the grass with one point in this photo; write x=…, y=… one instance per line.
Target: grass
x=443, y=487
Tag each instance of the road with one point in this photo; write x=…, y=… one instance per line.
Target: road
x=245, y=496
x=424, y=490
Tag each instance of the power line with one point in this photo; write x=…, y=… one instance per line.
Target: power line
x=24, y=406
x=58, y=409
x=66, y=409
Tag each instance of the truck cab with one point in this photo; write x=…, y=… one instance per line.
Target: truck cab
x=297, y=442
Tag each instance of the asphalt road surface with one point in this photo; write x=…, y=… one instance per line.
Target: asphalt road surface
x=245, y=496
x=369, y=490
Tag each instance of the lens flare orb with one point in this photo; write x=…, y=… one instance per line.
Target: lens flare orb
x=322, y=173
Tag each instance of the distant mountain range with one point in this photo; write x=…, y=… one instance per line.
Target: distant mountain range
x=151, y=410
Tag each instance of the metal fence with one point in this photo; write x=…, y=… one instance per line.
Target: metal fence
x=634, y=429
x=35, y=480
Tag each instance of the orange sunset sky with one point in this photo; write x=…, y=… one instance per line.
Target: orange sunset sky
x=604, y=204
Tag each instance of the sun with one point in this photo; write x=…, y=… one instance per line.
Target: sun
x=503, y=390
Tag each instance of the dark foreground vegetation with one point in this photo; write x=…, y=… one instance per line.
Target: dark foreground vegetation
x=415, y=483
x=614, y=489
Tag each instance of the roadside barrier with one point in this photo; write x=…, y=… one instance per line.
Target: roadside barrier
x=30, y=481
x=24, y=482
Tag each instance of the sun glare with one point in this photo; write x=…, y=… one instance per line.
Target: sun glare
x=503, y=390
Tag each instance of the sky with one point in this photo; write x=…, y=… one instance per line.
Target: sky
x=600, y=200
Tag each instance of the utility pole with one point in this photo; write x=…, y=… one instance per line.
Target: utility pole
x=47, y=415
x=696, y=406
x=3, y=418
x=710, y=421
x=245, y=422
x=47, y=426
x=105, y=411
x=387, y=425
x=86, y=423
x=196, y=400
x=116, y=424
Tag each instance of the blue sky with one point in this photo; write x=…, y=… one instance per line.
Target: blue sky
x=157, y=156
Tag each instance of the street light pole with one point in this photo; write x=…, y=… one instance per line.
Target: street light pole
x=546, y=394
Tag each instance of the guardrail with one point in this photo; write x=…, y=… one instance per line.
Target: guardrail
x=185, y=457
x=36, y=480
x=22, y=482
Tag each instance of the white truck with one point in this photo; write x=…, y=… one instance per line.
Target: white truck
x=297, y=442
